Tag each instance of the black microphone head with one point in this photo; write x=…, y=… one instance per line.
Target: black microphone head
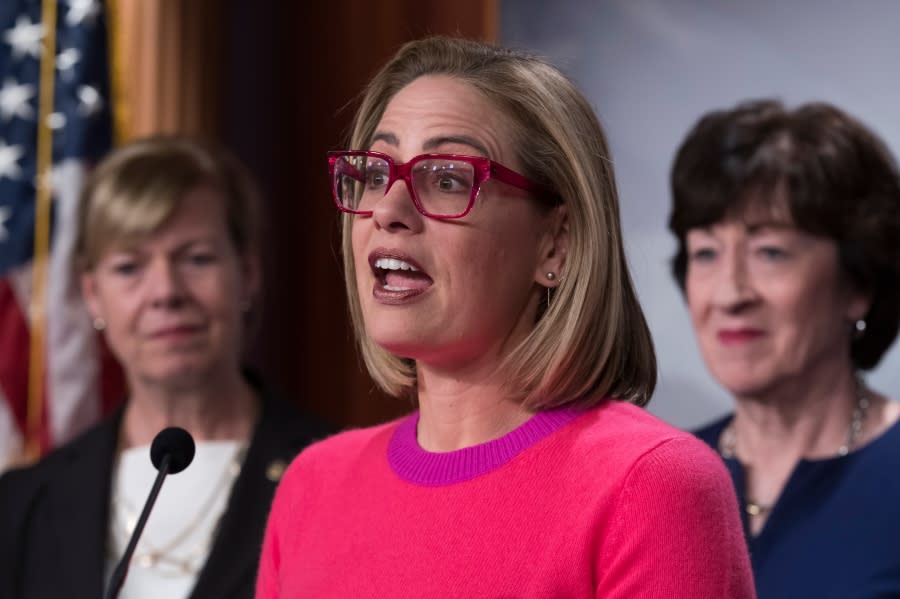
x=176, y=442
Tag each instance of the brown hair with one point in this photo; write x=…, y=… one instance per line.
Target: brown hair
x=592, y=340
x=841, y=182
x=138, y=187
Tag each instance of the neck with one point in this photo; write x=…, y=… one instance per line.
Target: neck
x=217, y=408
x=807, y=418
x=457, y=412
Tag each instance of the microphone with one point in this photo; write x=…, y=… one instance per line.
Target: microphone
x=171, y=452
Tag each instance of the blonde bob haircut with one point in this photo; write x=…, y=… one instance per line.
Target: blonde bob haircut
x=592, y=340
x=138, y=187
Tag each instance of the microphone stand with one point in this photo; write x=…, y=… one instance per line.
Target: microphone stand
x=121, y=571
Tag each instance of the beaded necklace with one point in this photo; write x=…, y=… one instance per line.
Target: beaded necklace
x=727, y=442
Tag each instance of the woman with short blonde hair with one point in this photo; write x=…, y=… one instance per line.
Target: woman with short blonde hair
x=575, y=350
x=486, y=278
x=167, y=255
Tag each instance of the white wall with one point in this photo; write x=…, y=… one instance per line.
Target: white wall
x=652, y=67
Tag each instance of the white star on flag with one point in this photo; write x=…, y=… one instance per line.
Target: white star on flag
x=56, y=120
x=66, y=61
x=9, y=160
x=5, y=213
x=78, y=383
x=25, y=38
x=14, y=100
x=90, y=100
x=82, y=10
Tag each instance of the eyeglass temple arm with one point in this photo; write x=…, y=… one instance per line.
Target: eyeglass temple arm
x=506, y=175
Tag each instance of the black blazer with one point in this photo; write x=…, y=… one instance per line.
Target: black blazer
x=54, y=516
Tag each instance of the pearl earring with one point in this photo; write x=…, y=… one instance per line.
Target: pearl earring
x=860, y=326
x=551, y=276
x=99, y=324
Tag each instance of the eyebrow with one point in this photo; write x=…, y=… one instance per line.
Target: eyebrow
x=435, y=143
x=389, y=138
x=760, y=226
x=752, y=228
x=136, y=247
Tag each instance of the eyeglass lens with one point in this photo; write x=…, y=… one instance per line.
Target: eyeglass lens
x=443, y=187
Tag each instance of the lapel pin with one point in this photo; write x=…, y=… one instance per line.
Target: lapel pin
x=275, y=469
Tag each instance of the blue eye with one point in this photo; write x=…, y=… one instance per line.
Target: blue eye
x=702, y=255
x=125, y=269
x=201, y=259
x=771, y=253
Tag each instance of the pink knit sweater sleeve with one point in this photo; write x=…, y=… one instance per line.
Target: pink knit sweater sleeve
x=270, y=559
x=676, y=532
x=288, y=498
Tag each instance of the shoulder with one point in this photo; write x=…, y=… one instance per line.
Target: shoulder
x=327, y=465
x=643, y=449
x=627, y=429
x=341, y=451
x=23, y=490
x=96, y=441
x=672, y=521
x=879, y=455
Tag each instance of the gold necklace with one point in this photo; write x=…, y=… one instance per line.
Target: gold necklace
x=728, y=441
x=163, y=559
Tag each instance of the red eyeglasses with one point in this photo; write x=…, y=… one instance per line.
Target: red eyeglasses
x=442, y=186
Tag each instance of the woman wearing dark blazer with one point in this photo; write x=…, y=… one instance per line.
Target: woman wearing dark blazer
x=167, y=253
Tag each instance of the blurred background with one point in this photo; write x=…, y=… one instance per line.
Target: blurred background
x=651, y=68
x=277, y=82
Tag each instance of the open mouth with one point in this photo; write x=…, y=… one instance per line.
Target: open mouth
x=398, y=275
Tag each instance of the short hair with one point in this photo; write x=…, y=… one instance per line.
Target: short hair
x=137, y=188
x=592, y=341
x=840, y=182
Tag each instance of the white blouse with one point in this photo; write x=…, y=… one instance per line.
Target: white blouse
x=182, y=525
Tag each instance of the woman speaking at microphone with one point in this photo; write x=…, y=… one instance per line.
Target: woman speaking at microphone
x=487, y=280
x=167, y=251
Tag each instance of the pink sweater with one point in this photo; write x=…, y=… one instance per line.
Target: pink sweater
x=608, y=503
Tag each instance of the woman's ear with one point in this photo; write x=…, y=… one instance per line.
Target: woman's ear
x=552, y=259
x=859, y=305
x=90, y=294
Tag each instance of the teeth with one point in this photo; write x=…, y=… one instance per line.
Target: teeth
x=394, y=264
x=394, y=288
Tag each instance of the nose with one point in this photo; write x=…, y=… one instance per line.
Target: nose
x=165, y=286
x=734, y=286
x=396, y=212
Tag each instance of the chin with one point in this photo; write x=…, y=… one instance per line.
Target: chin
x=744, y=384
x=399, y=333
x=181, y=375
x=402, y=347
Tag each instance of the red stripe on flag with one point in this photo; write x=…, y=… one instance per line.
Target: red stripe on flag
x=15, y=347
x=14, y=350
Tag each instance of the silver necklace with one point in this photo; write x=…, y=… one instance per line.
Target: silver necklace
x=163, y=558
x=727, y=442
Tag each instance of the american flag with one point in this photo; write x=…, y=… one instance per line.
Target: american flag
x=79, y=379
